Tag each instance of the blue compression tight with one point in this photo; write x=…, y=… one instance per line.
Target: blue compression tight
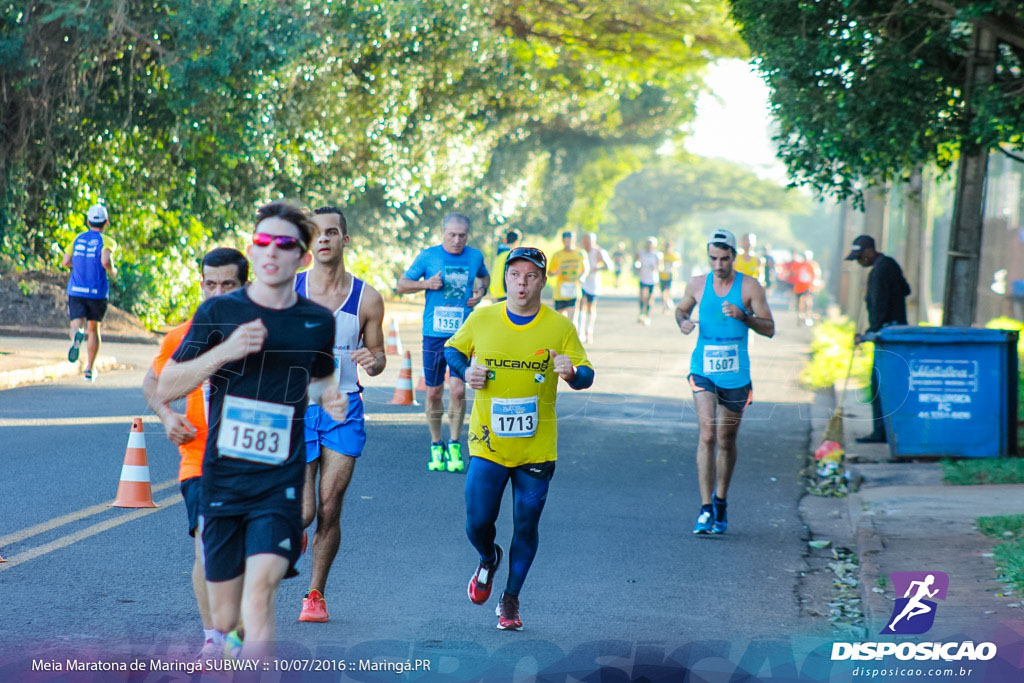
x=485, y=485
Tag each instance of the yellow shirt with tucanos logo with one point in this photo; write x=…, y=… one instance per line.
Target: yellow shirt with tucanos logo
x=513, y=421
x=568, y=268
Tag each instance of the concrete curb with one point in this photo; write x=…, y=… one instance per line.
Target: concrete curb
x=51, y=371
x=860, y=532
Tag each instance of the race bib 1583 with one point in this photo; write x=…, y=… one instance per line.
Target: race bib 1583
x=255, y=430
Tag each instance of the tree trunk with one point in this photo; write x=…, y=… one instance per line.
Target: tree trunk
x=914, y=256
x=963, y=257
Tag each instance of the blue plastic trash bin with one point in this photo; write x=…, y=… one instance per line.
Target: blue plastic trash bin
x=948, y=391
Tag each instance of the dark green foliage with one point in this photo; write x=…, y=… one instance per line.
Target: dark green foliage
x=184, y=116
x=867, y=91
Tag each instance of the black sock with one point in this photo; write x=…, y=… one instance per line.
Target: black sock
x=705, y=508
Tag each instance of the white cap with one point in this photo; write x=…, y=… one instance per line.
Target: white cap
x=722, y=236
x=97, y=215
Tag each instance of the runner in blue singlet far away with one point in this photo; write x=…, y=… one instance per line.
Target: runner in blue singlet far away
x=730, y=305
x=91, y=260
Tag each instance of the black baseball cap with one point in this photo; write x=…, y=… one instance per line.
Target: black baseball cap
x=860, y=243
x=531, y=254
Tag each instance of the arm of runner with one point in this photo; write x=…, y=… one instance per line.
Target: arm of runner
x=485, y=277
x=458, y=363
x=407, y=286
x=324, y=391
x=178, y=379
x=460, y=346
x=371, y=356
x=66, y=259
x=179, y=430
x=685, y=307
x=415, y=278
x=760, y=320
x=572, y=364
x=107, y=261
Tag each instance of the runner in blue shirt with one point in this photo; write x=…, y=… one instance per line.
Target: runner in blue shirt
x=90, y=259
x=445, y=272
x=730, y=304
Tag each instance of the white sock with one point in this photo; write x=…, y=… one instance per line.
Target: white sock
x=213, y=634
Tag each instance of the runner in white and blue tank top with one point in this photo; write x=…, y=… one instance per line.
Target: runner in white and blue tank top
x=730, y=304
x=332, y=447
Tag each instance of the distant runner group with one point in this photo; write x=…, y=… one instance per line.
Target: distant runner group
x=263, y=455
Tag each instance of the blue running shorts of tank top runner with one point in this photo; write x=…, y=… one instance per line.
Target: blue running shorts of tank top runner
x=347, y=438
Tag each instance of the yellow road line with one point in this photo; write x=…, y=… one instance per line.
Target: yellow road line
x=56, y=522
x=65, y=541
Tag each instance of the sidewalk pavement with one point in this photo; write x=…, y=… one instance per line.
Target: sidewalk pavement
x=903, y=518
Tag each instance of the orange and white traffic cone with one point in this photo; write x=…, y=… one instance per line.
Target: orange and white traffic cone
x=403, y=389
x=134, y=490
x=393, y=344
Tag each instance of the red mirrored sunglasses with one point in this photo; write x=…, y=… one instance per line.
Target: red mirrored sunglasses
x=286, y=242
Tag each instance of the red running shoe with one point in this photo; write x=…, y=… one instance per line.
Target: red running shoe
x=314, y=607
x=483, y=579
x=508, y=613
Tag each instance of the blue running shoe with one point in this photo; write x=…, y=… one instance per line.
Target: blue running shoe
x=718, y=512
x=704, y=521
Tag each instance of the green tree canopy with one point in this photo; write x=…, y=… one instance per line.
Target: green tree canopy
x=183, y=116
x=866, y=91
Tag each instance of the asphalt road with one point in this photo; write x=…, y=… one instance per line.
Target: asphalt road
x=619, y=579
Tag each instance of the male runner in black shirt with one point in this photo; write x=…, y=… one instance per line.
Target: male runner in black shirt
x=266, y=352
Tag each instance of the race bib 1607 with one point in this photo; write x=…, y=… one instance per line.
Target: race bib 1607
x=721, y=359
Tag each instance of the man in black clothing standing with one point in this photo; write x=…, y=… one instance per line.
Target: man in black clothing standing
x=887, y=305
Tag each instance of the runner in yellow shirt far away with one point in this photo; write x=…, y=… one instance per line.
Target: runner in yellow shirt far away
x=569, y=267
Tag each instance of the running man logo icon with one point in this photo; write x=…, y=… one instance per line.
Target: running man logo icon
x=914, y=612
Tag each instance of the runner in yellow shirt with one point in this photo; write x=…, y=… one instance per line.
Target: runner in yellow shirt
x=520, y=349
x=669, y=261
x=747, y=261
x=569, y=267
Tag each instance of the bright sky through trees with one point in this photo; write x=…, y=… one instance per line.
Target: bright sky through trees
x=733, y=121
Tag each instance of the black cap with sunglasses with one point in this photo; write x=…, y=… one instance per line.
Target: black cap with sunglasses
x=285, y=242
x=531, y=254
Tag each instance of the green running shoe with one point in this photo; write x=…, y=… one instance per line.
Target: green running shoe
x=77, y=342
x=437, y=454
x=232, y=645
x=455, y=461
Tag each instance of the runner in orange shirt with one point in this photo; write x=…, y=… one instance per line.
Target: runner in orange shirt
x=223, y=270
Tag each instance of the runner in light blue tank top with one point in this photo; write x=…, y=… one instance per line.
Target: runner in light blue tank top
x=720, y=369
x=721, y=353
